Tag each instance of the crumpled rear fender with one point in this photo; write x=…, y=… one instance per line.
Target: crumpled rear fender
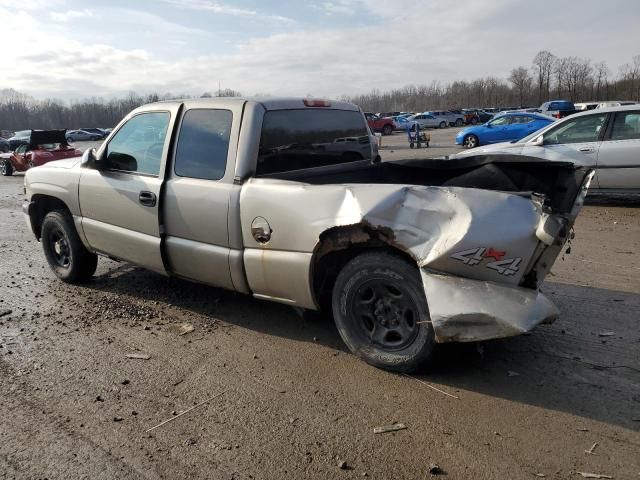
x=466, y=310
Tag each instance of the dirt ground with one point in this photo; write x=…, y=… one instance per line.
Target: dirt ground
x=285, y=400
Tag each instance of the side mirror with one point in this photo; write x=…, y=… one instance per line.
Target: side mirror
x=538, y=141
x=89, y=158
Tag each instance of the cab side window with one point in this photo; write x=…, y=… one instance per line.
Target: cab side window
x=137, y=146
x=626, y=126
x=203, y=144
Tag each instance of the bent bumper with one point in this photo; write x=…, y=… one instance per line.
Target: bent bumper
x=465, y=310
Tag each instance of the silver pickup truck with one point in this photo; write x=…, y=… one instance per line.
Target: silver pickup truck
x=287, y=200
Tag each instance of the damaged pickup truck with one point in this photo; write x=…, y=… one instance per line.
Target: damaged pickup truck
x=287, y=200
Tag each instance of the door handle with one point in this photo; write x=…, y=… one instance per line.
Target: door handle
x=587, y=149
x=148, y=199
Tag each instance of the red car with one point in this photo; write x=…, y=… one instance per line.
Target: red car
x=380, y=124
x=44, y=146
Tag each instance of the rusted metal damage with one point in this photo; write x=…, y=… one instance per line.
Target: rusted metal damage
x=467, y=302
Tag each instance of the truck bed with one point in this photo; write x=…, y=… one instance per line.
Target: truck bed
x=557, y=182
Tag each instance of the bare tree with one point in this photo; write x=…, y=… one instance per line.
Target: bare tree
x=601, y=81
x=543, y=66
x=522, y=82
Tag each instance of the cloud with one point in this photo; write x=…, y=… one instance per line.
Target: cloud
x=224, y=9
x=70, y=15
x=459, y=40
x=340, y=7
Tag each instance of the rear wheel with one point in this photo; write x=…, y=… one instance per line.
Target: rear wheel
x=459, y=122
x=443, y=124
x=381, y=312
x=65, y=253
x=470, y=141
x=387, y=130
x=6, y=168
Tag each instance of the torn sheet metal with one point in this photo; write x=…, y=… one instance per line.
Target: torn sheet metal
x=465, y=310
x=479, y=243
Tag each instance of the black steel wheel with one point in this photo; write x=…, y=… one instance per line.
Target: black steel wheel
x=65, y=253
x=381, y=312
x=6, y=169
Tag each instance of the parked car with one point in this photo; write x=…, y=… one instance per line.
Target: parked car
x=616, y=103
x=425, y=121
x=97, y=131
x=20, y=138
x=380, y=124
x=4, y=145
x=582, y=106
x=450, y=118
x=607, y=138
x=44, y=146
x=82, y=136
x=401, y=122
x=402, y=253
x=474, y=116
x=506, y=127
x=557, y=108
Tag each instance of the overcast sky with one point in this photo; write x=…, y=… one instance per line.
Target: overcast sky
x=75, y=49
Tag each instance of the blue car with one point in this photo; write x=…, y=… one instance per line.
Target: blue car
x=507, y=127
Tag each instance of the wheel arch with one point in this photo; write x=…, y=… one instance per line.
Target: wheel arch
x=337, y=246
x=40, y=206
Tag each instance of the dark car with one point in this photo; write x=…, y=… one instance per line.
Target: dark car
x=20, y=138
x=4, y=145
x=97, y=131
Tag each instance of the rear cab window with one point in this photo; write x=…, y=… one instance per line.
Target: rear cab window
x=307, y=138
x=203, y=144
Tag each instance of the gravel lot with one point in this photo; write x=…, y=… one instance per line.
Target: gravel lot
x=292, y=402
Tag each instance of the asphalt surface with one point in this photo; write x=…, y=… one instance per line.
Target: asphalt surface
x=290, y=402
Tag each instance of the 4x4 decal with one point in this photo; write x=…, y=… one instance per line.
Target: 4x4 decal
x=475, y=256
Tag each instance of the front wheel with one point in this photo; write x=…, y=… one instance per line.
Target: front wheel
x=470, y=141
x=387, y=130
x=381, y=312
x=6, y=168
x=459, y=122
x=443, y=124
x=65, y=253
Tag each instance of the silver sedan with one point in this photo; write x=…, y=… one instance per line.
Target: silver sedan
x=426, y=121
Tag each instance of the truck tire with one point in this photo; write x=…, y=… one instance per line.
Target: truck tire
x=387, y=130
x=6, y=168
x=381, y=312
x=65, y=253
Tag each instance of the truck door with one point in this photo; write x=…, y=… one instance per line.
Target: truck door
x=619, y=154
x=120, y=201
x=198, y=192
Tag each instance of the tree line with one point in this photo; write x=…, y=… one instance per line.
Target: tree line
x=548, y=76
x=22, y=112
